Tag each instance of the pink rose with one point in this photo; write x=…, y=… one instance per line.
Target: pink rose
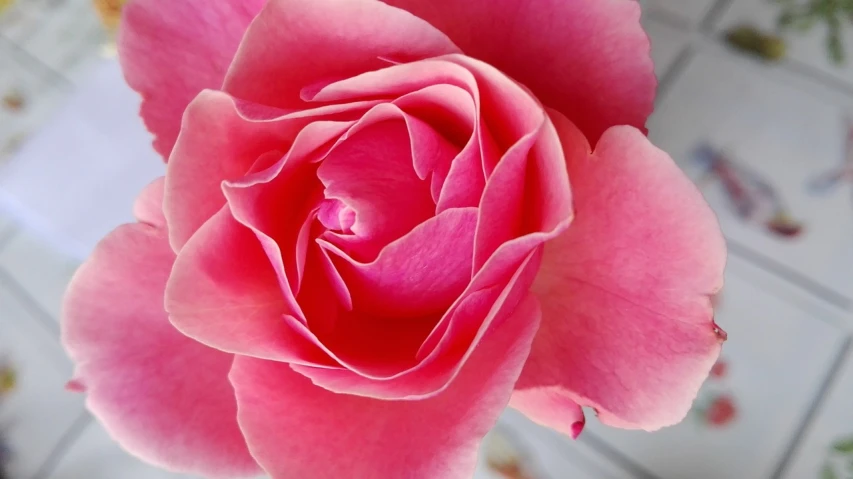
x=380, y=224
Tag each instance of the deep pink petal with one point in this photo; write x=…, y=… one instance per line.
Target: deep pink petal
x=224, y=292
x=295, y=44
x=277, y=203
x=414, y=88
x=221, y=140
x=627, y=319
x=491, y=302
x=171, y=51
x=588, y=59
x=295, y=428
x=451, y=111
x=415, y=276
x=527, y=190
x=163, y=396
x=372, y=172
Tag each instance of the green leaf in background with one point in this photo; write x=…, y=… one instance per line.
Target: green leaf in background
x=834, y=47
x=828, y=472
x=844, y=446
x=803, y=15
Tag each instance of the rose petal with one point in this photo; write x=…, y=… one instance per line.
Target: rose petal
x=414, y=276
x=527, y=190
x=161, y=395
x=148, y=207
x=294, y=427
x=233, y=302
x=294, y=44
x=372, y=172
x=277, y=203
x=221, y=140
x=490, y=303
x=463, y=175
x=627, y=318
x=588, y=59
x=171, y=51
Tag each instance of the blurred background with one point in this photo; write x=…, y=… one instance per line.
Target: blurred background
x=756, y=105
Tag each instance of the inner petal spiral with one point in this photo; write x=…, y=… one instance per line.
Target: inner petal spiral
x=372, y=175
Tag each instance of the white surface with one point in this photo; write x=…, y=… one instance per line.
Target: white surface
x=692, y=11
x=40, y=89
x=834, y=423
x=59, y=33
x=667, y=44
x=39, y=412
x=39, y=269
x=77, y=178
x=7, y=226
x=96, y=456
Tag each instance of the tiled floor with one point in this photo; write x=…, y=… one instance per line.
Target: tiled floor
x=787, y=306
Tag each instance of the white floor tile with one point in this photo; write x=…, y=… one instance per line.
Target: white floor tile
x=7, y=227
x=38, y=411
x=40, y=270
x=29, y=93
x=667, y=43
x=828, y=443
x=60, y=33
x=96, y=456
x=692, y=11
x=23, y=17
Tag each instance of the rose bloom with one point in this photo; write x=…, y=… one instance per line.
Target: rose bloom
x=383, y=222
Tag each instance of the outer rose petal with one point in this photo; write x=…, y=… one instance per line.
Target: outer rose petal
x=163, y=396
x=148, y=207
x=296, y=44
x=295, y=428
x=627, y=319
x=550, y=407
x=589, y=59
x=172, y=50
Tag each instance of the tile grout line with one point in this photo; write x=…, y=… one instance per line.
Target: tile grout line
x=844, y=353
x=7, y=237
x=674, y=72
x=670, y=19
x=705, y=33
x=789, y=275
x=617, y=457
x=556, y=443
x=63, y=445
x=36, y=64
x=42, y=317
x=714, y=15
x=826, y=80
